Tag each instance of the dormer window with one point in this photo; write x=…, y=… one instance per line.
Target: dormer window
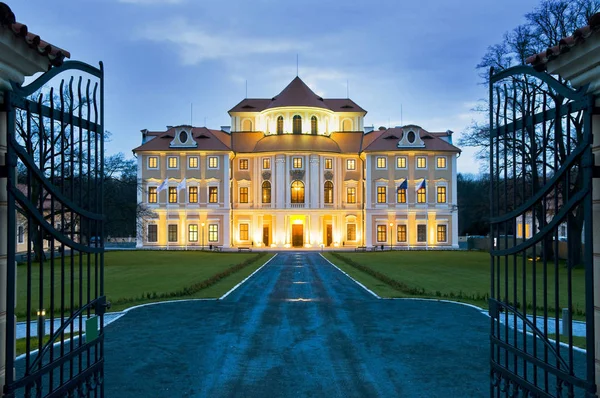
x=280, y=125
x=313, y=125
x=297, y=124
x=183, y=136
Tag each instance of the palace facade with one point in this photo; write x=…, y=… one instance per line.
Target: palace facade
x=300, y=171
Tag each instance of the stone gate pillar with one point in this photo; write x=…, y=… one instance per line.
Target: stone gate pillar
x=581, y=66
x=17, y=59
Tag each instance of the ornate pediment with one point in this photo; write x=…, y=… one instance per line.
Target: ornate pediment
x=266, y=175
x=328, y=175
x=297, y=174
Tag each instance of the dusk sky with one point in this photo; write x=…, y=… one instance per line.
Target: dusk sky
x=160, y=56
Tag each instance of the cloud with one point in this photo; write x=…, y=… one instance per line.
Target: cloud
x=196, y=45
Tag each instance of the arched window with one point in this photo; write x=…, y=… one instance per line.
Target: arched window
x=280, y=125
x=297, y=192
x=266, y=192
x=297, y=124
x=328, y=192
x=247, y=125
x=347, y=125
x=313, y=125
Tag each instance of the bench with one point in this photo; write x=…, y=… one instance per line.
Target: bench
x=242, y=249
x=361, y=249
x=217, y=248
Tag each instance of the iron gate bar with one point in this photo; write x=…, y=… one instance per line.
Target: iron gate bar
x=75, y=205
x=523, y=190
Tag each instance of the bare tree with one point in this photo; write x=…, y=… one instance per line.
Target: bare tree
x=542, y=149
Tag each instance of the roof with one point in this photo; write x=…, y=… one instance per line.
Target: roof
x=209, y=140
x=540, y=61
x=296, y=143
x=348, y=141
x=54, y=54
x=297, y=93
x=387, y=140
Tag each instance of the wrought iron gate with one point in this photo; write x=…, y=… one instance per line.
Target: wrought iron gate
x=55, y=174
x=541, y=236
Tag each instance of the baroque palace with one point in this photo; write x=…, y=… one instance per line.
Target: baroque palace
x=297, y=170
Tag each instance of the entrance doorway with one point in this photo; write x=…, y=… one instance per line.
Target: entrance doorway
x=329, y=235
x=265, y=238
x=297, y=235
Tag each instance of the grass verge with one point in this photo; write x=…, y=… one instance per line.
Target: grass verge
x=458, y=276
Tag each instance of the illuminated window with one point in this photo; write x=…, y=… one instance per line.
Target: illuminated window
x=381, y=233
x=297, y=124
x=401, y=233
x=351, y=195
x=381, y=194
x=328, y=164
x=421, y=162
x=152, y=233
x=213, y=162
x=153, y=162
x=266, y=163
x=213, y=232
x=328, y=192
x=172, y=233
x=351, y=164
x=172, y=194
x=381, y=162
x=172, y=162
x=193, y=194
x=401, y=196
x=266, y=192
x=350, y=231
x=422, y=195
x=193, y=162
x=441, y=233
x=243, y=194
x=401, y=162
x=243, y=164
x=243, y=231
x=280, y=125
x=213, y=194
x=152, y=195
x=441, y=194
x=297, y=163
x=313, y=125
x=193, y=232
x=297, y=192
x=347, y=125
x=421, y=233
x=247, y=125
x=441, y=162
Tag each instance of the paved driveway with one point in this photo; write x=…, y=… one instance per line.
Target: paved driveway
x=299, y=328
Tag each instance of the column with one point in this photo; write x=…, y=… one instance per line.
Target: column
x=140, y=200
x=279, y=181
x=314, y=181
x=3, y=249
x=596, y=234
x=454, y=205
x=17, y=60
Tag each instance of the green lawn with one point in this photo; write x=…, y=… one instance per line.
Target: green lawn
x=455, y=275
x=137, y=277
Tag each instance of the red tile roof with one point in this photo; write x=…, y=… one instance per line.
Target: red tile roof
x=54, y=54
x=387, y=140
x=540, y=61
x=208, y=140
x=297, y=93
